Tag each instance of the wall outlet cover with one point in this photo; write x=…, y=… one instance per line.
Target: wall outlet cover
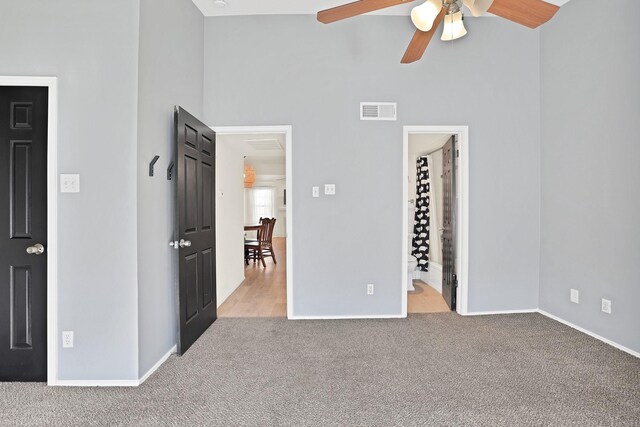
x=69, y=183
x=67, y=339
x=606, y=306
x=330, y=189
x=370, y=289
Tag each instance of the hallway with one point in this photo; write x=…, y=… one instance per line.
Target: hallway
x=263, y=293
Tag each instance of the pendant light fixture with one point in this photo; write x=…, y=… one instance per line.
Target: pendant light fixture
x=249, y=176
x=423, y=16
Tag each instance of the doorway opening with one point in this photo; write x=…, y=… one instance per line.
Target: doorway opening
x=255, y=221
x=435, y=219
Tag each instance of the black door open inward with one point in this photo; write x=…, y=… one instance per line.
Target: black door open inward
x=449, y=210
x=23, y=233
x=195, y=237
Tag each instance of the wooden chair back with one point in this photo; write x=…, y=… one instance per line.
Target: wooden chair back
x=265, y=234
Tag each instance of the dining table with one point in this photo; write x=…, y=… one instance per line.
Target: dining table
x=250, y=227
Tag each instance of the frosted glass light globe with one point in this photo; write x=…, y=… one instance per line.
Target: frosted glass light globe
x=423, y=16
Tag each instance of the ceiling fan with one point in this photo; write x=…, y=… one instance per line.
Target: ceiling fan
x=428, y=16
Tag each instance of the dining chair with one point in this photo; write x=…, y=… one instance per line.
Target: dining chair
x=263, y=247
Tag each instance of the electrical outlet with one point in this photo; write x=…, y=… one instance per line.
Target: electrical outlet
x=370, y=289
x=606, y=306
x=69, y=183
x=67, y=339
x=575, y=296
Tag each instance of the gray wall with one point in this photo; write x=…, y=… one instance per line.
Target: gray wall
x=92, y=47
x=294, y=70
x=590, y=237
x=170, y=73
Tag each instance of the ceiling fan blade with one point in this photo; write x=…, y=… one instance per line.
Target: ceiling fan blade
x=421, y=40
x=356, y=8
x=530, y=13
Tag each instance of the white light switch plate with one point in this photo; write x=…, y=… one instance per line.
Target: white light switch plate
x=330, y=189
x=575, y=296
x=69, y=183
x=315, y=191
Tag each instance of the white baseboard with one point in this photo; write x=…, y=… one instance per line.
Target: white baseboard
x=117, y=383
x=221, y=297
x=591, y=334
x=433, y=277
x=486, y=313
x=354, y=316
x=163, y=359
x=97, y=383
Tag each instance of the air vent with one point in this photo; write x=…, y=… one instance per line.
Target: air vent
x=378, y=111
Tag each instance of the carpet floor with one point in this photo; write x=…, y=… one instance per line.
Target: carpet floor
x=426, y=370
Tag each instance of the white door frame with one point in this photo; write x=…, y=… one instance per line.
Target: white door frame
x=52, y=214
x=288, y=131
x=462, y=232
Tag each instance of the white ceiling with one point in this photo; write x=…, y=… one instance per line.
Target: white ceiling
x=296, y=7
x=257, y=144
x=425, y=143
x=265, y=152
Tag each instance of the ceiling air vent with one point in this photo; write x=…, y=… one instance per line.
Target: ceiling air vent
x=378, y=111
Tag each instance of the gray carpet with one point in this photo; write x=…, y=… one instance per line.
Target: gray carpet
x=437, y=369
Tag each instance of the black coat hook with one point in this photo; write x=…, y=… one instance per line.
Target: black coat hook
x=170, y=171
x=153, y=162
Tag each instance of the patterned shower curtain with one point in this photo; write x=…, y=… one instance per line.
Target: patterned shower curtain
x=420, y=248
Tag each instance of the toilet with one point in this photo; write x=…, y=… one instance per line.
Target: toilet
x=412, y=264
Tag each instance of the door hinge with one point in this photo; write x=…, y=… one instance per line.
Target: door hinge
x=454, y=300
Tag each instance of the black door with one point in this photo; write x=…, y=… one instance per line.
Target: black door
x=449, y=206
x=195, y=227
x=23, y=227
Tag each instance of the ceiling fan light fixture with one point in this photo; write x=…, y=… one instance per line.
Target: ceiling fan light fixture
x=453, y=27
x=478, y=7
x=423, y=16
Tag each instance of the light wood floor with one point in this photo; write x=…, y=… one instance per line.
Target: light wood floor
x=427, y=301
x=263, y=293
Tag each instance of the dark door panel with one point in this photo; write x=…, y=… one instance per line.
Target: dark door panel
x=23, y=225
x=449, y=280
x=195, y=227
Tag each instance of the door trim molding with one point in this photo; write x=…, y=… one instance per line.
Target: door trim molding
x=462, y=232
x=52, y=213
x=288, y=131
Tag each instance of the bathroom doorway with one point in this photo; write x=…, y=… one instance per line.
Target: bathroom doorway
x=435, y=208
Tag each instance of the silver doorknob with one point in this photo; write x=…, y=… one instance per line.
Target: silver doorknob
x=36, y=249
x=184, y=243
